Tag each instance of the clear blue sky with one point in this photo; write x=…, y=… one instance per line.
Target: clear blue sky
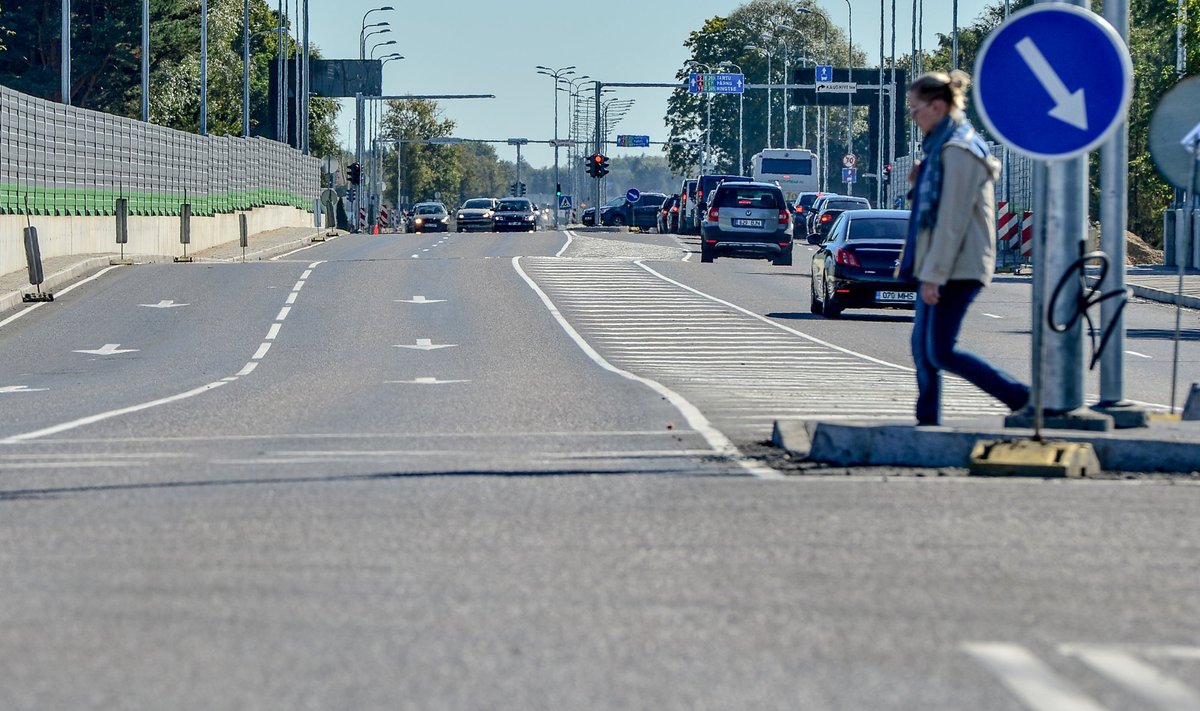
x=477, y=47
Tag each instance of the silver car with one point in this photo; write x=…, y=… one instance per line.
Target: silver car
x=748, y=220
x=429, y=217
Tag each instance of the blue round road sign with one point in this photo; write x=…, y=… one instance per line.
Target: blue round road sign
x=633, y=195
x=1054, y=81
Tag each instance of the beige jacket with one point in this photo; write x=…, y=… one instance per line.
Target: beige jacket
x=962, y=245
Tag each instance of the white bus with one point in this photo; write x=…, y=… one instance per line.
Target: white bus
x=794, y=170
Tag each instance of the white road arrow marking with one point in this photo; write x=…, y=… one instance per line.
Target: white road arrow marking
x=20, y=389
x=419, y=300
x=1069, y=106
x=426, y=344
x=426, y=381
x=109, y=349
x=163, y=305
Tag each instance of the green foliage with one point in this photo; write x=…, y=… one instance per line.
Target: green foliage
x=426, y=170
x=106, y=62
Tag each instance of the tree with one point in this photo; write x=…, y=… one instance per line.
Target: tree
x=106, y=62
x=426, y=171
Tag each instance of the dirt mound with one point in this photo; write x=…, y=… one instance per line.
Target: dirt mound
x=1138, y=252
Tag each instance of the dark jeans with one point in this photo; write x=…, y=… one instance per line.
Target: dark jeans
x=934, y=348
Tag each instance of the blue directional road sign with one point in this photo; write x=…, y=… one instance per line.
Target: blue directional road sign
x=633, y=195
x=716, y=83
x=822, y=73
x=1054, y=81
x=631, y=141
x=849, y=175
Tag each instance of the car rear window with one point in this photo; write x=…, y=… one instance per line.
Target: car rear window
x=845, y=205
x=877, y=229
x=808, y=200
x=760, y=198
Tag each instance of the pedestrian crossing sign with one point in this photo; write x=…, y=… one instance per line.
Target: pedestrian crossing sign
x=564, y=202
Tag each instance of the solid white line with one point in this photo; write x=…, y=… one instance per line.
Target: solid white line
x=695, y=418
x=570, y=237
x=274, y=331
x=248, y=369
x=301, y=249
x=60, y=292
x=992, y=315
x=92, y=419
x=283, y=313
x=262, y=351
x=1029, y=679
x=1148, y=682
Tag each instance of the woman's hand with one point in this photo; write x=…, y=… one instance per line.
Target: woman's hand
x=930, y=293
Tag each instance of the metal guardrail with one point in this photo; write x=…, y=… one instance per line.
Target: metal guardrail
x=62, y=160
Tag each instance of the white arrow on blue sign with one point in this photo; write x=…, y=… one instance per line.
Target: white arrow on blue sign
x=822, y=73
x=633, y=195
x=1053, y=81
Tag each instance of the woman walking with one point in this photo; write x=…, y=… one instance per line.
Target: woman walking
x=950, y=248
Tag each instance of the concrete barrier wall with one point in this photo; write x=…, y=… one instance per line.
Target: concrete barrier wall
x=154, y=236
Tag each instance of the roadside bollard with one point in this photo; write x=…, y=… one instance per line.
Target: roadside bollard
x=122, y=213
x=244, y=232
x=33, y=259
x=1191, y=410
x=185, y=230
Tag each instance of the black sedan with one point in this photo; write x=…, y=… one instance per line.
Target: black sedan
x=855, y=266
x=513, y=214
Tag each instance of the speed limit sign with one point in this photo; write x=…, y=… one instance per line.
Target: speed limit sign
x=849, y=160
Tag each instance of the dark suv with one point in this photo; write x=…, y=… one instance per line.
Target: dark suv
x=705, y=184
x=643, y=213
x=749, y=220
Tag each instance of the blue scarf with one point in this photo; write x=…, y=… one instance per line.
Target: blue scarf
x=928, y=186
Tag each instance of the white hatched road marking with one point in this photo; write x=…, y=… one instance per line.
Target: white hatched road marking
x=736, y=366
x=1042, y=689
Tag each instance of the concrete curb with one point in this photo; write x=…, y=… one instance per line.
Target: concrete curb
x=1166, y=297
x=50, y=282
x=1166, y=447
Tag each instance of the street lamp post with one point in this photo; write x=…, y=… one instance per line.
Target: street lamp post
x=768, y=54
x=573, y=96
x=741, y=97
x=557, y=75
x=708, y=120
x=359, y=127
x=203, y=67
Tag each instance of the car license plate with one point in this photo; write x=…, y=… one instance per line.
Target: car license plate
x=739, y=222
x=895, y=296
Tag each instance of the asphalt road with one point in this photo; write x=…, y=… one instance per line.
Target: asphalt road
x=461, y=472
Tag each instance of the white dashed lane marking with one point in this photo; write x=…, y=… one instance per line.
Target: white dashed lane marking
x=742, y=370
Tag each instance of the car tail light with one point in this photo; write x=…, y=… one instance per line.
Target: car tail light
x=799, y=209
x=713, y=214
x=711, y=241
x=847, y=259
x=675, y=208
x=784, y=217
x=700, y=195
x=826, y=218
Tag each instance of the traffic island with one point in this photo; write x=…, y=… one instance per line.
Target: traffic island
x=1164, y=446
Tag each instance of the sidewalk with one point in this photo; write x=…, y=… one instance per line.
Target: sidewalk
x=61, y=271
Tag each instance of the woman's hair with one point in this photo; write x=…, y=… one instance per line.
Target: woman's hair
x=951, y=88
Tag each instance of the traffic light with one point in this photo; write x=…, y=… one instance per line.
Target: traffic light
x=601, y=166
x=887, y=172
x=355, y=173
x=512, y=189
x=521, y=189
x=593, y=164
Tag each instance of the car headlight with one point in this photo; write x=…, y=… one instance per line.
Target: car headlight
x=462, y=216
x=420, y=221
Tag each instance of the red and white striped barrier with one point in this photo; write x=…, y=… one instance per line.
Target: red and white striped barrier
x=1027, y=234
x=383, y=218
x=362, y=218
x=1007, y=227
